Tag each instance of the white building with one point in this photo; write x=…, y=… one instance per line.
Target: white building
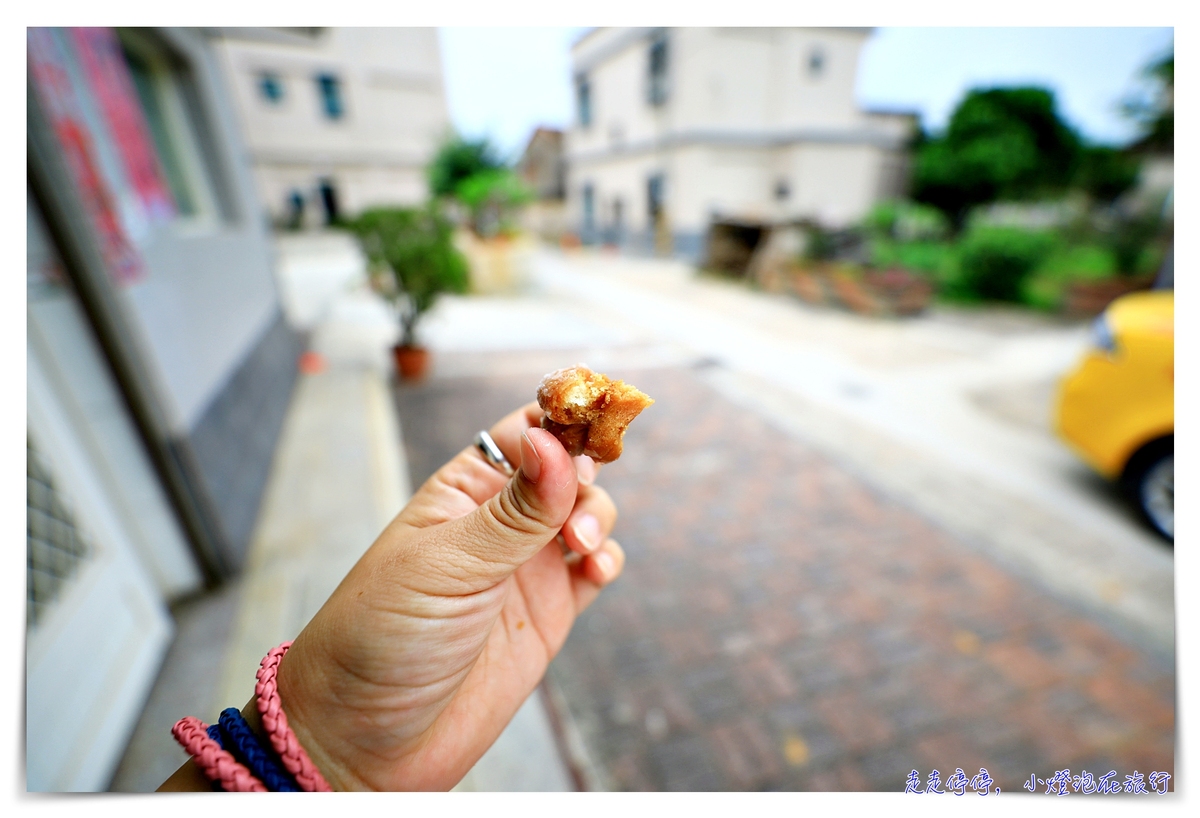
x=676, y=129
x=159, y=370
x=337, y=119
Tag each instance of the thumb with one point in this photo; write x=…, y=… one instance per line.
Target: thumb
x=512, y=526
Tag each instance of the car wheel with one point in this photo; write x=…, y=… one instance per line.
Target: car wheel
x=1152, y=484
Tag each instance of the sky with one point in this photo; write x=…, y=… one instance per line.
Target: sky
x=505, y=82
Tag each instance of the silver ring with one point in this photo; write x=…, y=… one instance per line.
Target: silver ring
x=492, y=454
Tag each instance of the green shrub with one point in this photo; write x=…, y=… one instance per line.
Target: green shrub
x=1133, y=243
x=414, y=260
x=1106, y=173
x=1044, y=289
x=935, y=259
x=819, y=244
x=1079, y=262
x=459, y=159
x=994, y=262
x=492, y=196
x=905, y=221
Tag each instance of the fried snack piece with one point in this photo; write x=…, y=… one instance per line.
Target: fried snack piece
x=588, y=412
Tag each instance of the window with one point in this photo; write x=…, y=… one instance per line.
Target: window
x=656, y=93
x=270, y=85
x=583, y=100
x=589, y=208
x=169, y=104
x=329, y=201
x=330, y=89
x=816, y=63
x=655, y=197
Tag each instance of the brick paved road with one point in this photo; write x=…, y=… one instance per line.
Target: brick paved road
x=782, y=625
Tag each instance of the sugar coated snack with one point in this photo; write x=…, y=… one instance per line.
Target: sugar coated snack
x=588, y=412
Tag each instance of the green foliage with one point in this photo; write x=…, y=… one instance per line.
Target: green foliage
x=1001, y=143
x=1106, y=173
x=459, y=159
x=1132, y=243
x=937, y=260
x=1067, y=263
x=819, y=244
x=906, y=221
x=1089, y=262
x=491, y=196
x=413, y=255
x=994, y=262
x=1154, y=111
x=473, y=173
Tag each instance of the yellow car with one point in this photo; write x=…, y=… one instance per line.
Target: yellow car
x=1117, y=408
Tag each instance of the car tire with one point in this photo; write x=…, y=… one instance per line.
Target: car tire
x=1150, y=481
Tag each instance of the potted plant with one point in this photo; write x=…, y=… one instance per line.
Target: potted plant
x=412, y=261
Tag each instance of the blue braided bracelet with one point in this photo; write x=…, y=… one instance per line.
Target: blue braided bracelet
x=240, y=740
x=214, y=733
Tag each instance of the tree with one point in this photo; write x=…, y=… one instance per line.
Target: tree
x=1105, y=173
x=413, y=260
x=1155, y=110
x=459, y=159
x=1001, y=143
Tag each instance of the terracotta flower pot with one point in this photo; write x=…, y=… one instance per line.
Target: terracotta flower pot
x=810, y=286
x=411, y=362
x=855, y=295
x=899, y=292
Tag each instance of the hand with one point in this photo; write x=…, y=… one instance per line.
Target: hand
x=444, y=627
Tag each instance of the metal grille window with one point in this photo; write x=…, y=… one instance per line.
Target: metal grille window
x=56, y=546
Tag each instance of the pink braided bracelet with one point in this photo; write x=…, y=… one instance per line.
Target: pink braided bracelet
x=216, y=764
x=275, y=722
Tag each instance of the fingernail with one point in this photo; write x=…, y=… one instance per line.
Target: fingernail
x=531, y=461
x=587, y=532
x=585, y=468
x=605, y=563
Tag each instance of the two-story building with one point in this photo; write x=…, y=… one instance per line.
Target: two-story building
x=677, y=129
x=159, y=369
x=336, y=119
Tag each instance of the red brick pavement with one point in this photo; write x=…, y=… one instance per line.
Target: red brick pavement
x=782, y=625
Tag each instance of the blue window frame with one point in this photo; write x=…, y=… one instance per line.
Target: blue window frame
x=270, y=85
x=330, y=89
x=583, y=98
x=656, y=86
x=589, y=208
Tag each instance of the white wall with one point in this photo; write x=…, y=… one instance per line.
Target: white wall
x=208, y=293
x=395, y=112
x=744, y=112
